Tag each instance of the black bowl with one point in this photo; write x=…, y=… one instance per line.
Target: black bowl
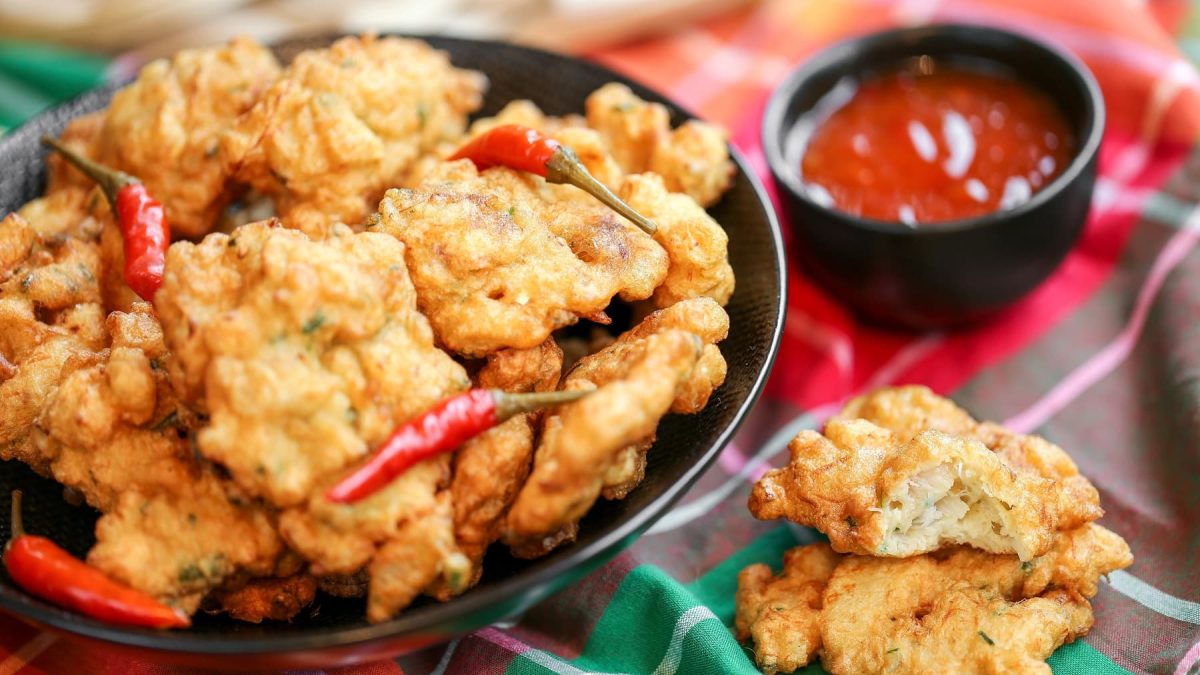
x=338, y=633
x=946, y=273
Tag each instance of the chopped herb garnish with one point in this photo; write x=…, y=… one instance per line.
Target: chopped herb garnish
x=168, y=420
x=190, y=573
x=893, y=650
x=850, y=521
x=1026, y=567
x=314, y=323
x=422, y=114
x=986, y=638
x=511, y=211
x=623, y=107
x=348, y=63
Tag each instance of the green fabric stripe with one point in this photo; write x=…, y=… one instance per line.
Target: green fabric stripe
x=55, y=72
x=653, y=602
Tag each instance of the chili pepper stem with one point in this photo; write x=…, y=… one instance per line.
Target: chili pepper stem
x=508, y=405
x=16, y=524
x=564, y=167
x=109, y=180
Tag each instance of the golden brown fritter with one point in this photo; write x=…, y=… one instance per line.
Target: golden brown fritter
x=782, y=613
x=342, y=124
x=421, y=556
x=581, y=440
x=499, y=262
x=165, y=127
x=693, y=159
x=964, y=611
x=268, y=599
x=875, y=495
x=907, y=411
x=695, y=243
x=490, y=468
x=305, y=354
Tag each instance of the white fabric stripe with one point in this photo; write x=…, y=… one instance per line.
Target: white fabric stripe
x=1150, y=597
x=444, y=662
x=27, y=653
x=686, y=513
x=687, y=621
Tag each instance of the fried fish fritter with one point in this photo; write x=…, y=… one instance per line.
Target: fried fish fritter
x=964, y=611
x=959, y=610
x=909, y=410
x=165, y=127
x=693, y=159
x=782, y=614
x=581, y=440
x=268, y=599
x=696, y=244
x=304, y=354
x=490, y=468
x=875, y=495
x=344, y=123
x=499, y=262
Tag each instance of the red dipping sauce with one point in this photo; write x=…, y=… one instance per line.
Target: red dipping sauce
x=931, y=143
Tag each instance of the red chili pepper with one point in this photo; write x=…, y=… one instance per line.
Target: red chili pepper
x=43, y=569
x=525, y=149
x=142, y=219
x=442, y=429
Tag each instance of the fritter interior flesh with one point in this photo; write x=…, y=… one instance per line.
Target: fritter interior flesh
x=499, y=262
x=909, y=410
x=344, y=123
x=875, y=495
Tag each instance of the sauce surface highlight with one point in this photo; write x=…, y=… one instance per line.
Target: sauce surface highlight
x=932, y=143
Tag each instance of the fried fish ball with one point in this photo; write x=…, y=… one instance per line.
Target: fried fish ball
x=696, y=244
x=909, y=410
x=305, y=354
x=165, y=127
x=782, y=614
x=582, y=439
x=344, y=123
x=499, y=264
x=964, y=611
x=874, y=495
x=693, y=159
x=490, y=468
x=268, y=599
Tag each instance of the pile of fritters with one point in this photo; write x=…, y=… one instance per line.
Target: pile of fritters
x=278, y=354
x=954, y=545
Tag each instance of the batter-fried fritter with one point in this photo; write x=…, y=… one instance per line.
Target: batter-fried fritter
x=499, y=262
x=268, y=599
x=875, y=495
x=783, y=613
x=693, y=159
x=581, y=440
x=305, y=354
x=166, y=125
x=964, y=611
x=344, y=123
x=909, y=410
x=695, y=243
x=490, y=468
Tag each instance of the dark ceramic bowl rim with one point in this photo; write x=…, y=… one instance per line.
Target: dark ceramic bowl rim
x=837, y=56
x=24, y=606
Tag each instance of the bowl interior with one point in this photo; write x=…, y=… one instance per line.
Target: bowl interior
x=685, y=446
x=1057, y=74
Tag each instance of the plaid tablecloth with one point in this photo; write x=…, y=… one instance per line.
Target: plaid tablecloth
x=1104, y=359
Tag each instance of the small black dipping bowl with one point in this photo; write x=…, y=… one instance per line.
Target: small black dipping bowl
x=949, y=273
